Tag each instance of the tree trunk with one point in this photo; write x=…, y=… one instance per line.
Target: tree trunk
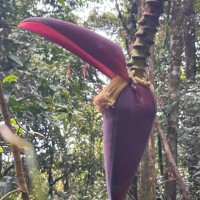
x=160, y=157
x=133, y=190
x=190, y=137
x=65, y=171
x=50, y=169
x=191, y=104
x=148, y=178
x=189, y=39
x=173, y=93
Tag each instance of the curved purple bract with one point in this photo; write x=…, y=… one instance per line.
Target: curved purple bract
x=98, y=51
x=126, y=129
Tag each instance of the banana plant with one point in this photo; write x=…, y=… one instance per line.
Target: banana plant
x=127, y=103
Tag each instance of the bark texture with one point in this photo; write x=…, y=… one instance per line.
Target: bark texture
x=190, y=137
x=189, y=39
x=173, y=92
x=148, y=178
x=191, y=101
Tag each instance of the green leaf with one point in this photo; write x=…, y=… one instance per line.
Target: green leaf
x=61, y=2
x=1, y=149
x=13, y=102
x=10, y=78
x=15, y=60
x=183, y=76
x=13, y=121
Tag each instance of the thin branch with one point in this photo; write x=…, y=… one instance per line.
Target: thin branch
x=121, y=17
x=11, y=192
x=56, y=180
x=171, y=161
x=97, y=194
x=8, y=169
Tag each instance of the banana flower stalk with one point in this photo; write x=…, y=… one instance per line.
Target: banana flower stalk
x=127, y=103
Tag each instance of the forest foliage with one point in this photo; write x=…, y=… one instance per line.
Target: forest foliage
x=49, y=93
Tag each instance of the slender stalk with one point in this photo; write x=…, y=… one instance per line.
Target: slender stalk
x=16, y=152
